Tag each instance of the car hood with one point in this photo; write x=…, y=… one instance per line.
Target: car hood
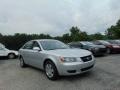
x=97, y=46
x=115, y=44
x=69, y=52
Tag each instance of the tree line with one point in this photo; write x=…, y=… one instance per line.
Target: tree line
x=75, y=34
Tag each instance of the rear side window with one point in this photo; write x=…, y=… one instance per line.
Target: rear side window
x=28, y=45
x=76, y=45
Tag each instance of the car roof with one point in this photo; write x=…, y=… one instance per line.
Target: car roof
x=44, y=40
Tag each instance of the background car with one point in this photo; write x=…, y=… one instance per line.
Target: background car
x=4, y=52
x=117, y=42
x=111, y=48
x=55, y=58
x=95, y=49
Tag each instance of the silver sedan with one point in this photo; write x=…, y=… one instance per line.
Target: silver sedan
x=55, y=58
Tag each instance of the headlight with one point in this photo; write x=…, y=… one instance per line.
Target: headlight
x=90, y=49
x=96, y=48
x=70, y=59
x=93, y=49
x=115, y=46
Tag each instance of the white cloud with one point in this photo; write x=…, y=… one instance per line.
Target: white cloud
x=57, y=16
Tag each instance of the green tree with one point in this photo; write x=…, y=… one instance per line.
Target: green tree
x=114, y=31
x=84, y=36
x=97, y=36
x=75, y=34
x=66, y=38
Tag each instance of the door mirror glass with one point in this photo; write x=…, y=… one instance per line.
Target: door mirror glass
x=36, y=48
x=81, y=45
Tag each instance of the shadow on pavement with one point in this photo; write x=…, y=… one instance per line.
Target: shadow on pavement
x=3, y=58
x=77, y=77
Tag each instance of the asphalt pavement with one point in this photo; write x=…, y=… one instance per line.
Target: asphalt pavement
x=104, y=76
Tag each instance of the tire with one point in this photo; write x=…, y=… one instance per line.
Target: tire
x=51, y=70
x=11, y=56
x=108, y=51
x=22, y=63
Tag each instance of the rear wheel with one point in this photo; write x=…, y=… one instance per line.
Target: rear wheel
x=51, y=70
x=11, y=56
x=108, y=51
x=22, y=63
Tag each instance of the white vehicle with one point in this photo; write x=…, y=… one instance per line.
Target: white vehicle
x=1, y=45
x=4, y=52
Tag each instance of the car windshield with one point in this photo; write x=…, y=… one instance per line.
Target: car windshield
x=52, y=45
x=113, y=42
x=87, y=43
x=104, y=42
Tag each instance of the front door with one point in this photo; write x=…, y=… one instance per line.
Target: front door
x=3, y=52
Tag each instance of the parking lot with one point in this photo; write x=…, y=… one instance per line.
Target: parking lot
x=105, y=76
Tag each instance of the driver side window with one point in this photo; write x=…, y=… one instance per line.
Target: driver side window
x=35, y=44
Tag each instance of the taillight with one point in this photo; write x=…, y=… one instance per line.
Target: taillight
x=109, y=46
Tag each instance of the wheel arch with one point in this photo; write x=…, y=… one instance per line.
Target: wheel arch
x=11, y=53
x=49, y=59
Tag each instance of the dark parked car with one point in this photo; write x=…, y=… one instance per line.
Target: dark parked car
x=95, y=49
x=117, y=42
x=111, y=48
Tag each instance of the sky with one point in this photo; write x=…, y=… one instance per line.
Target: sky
x=56, y=17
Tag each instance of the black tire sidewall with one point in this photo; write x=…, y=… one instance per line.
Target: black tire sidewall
x=11, y=54
x=22, y=60
x=55, y=76
x=108, y=51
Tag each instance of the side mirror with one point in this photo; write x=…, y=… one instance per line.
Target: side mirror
x=36, y=48
x=81, y=46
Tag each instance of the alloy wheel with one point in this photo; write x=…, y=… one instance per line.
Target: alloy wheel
x=49, y=70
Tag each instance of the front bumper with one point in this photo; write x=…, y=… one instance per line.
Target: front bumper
x=75, y=68
x=115, y=50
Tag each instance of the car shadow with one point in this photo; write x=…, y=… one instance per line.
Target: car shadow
x=101, y=55
x=77, y=77
x=3, y=58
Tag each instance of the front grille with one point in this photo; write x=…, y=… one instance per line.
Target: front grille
x=86, y=58
x=103, y=50
x=87, y=68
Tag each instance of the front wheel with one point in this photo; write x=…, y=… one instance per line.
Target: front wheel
x=11, y=56
x=108, y=51
x=51, y=70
